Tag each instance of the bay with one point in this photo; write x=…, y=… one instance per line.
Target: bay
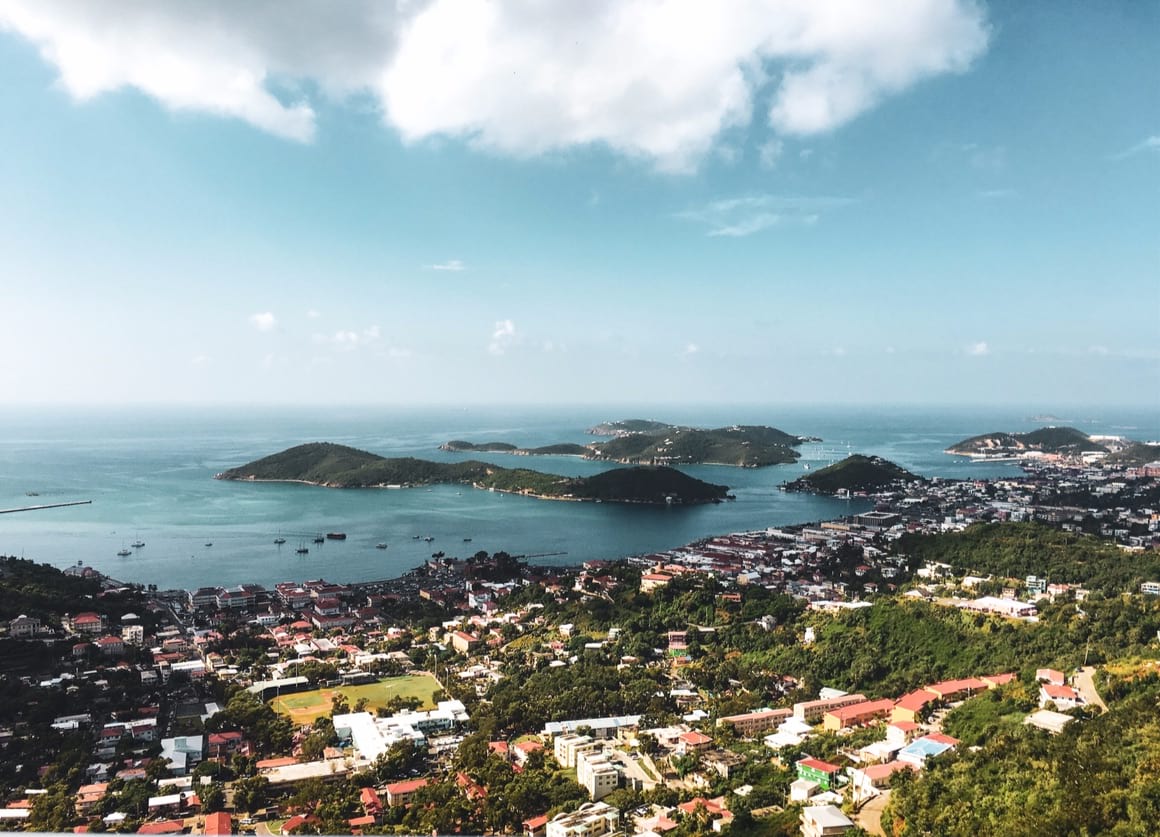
x=149, y=473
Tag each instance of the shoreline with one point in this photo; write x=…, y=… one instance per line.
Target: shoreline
x=478, y=487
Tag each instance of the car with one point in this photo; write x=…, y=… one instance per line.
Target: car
x=247, y=821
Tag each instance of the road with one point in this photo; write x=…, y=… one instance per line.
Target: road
x=1085, y=685
x=869, y=817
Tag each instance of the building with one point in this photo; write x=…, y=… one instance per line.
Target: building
x=463, y=643
x=912, y=705
x=693, y=742
x=23, y=627
x=599, y=727
x=651, y=581
x=1064, y=697
x=816, y=770
x=596, y=773
x=929, y=746
x=1150, y=588
x=218, y=824
x=956, y=689
x=566, y=748
x=824, y=821
x=812, y=711
x=183, y=753
x=857, y=714
x=400, y=793
x=1045, y=719
x=752, y=724
x=85, y=623
x=592, y=819
x=1050, y=675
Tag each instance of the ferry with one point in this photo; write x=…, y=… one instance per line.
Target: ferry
x=336, y=536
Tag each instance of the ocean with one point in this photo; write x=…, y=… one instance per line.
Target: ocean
x=149, y=474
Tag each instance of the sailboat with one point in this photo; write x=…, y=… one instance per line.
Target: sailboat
x=302, y=548
x=123, y=551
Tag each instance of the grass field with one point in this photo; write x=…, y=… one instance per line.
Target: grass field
x=305, y=707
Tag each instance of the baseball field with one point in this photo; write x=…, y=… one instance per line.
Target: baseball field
x=305, y=707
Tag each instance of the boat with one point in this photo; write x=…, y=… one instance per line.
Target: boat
x=123, y=552
x=428, y=539
x=416, y=537
x=320, y=539
x=336, y=536
x=137, y=544
x=302, y=549
x=209, y=543
x=380, y=546
x=279, y=541
x=32, y=493
x=467, y=540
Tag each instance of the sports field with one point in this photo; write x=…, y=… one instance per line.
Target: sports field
x=305, y=707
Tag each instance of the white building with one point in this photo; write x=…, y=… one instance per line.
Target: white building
x=596, y=773
x=592, y=819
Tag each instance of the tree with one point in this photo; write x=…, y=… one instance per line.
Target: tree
x=213, y=798
x=251, y=793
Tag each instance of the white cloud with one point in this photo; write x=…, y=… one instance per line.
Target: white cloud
x=312, y=314
x=502, y=337
x=979, y=349
x=1151, y=143
x=349, y=339
x=658, y=79
x=742, y=216
x=453, y=265
x=691, y=349
x=263, y=321
x=397, y=353
x=199, y=360
x=996, y=194
x=769, y=153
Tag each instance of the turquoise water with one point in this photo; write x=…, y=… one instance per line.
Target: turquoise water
x=149, y=473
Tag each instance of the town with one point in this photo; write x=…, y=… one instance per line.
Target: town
x=653, y=695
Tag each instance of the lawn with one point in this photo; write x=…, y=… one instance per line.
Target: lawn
x=305, y=707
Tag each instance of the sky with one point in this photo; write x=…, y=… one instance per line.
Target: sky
x=658, y=201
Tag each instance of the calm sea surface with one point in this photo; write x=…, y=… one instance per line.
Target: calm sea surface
x=149, y=473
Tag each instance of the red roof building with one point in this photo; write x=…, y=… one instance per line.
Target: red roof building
x=163, y=827
x=218, y=823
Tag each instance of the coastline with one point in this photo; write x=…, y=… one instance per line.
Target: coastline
x=477, y=486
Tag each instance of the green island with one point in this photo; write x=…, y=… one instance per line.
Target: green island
x=1057, y=440
x=854, y=473
x=338, y=466
x=648, y=442
x=624, y=426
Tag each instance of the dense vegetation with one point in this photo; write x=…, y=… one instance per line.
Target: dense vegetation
x=854, y=473
x=338, y=466
x=619, y=428
x=1137, y=453
x=458, y=445
x=745, y=446
x=1100, y=776
x=1066, y=440
x=1017, y=550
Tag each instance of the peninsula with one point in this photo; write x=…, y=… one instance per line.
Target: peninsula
x=854, y=473
x=338, y=466
x=648, y=442
x=1059, y=441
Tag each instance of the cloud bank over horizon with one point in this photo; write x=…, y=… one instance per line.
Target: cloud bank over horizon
x=659, y=80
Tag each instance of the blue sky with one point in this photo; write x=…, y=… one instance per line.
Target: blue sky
x=909, y=201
